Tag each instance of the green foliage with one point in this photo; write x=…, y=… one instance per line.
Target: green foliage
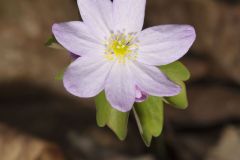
x=178, y=73
x=179, y=101
x=149, y=116
x=52, y=43
x=107, y=116
x=59, y=75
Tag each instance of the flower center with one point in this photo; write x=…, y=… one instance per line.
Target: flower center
x=121, y=46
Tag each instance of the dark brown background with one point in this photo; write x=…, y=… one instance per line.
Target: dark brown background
x=37, y=105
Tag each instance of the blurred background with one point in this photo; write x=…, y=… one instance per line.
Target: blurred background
x=39, y=120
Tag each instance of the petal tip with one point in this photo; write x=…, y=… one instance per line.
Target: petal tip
x=120, y=106
x=54, y=27
x=55, y=30
x=175, y=90
x=67, y=84
x=192, y=32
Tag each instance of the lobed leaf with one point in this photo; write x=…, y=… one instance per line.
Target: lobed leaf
x=107, y=116
x=176, y=71
x=179, y=101
x=149, y=117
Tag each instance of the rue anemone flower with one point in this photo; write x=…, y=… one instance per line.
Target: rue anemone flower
x=117, y=56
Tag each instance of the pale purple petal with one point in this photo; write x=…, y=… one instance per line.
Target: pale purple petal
x=128, y=15
x=152, y=81
x=140, y=95
x=76, y=38
x=85, y=77
x=120, y=87
x=164, y=44
x=97, y=15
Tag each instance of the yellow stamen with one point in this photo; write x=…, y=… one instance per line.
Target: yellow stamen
x=121, y=47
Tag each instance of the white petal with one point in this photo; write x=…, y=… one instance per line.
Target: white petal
x=128, y=15
x=164, y=44
x=152, y=81
x=86, y=76
x=120, y=89
x=76, y=38
x=97, y=14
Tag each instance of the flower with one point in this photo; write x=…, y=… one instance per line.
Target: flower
x=117, y=56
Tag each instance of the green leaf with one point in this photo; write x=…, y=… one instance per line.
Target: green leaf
x=149, y=117
x=106, y=115
x=179, y=101
x=59, y=75
x=103, y=110
x=176, y=71
x=52, y=43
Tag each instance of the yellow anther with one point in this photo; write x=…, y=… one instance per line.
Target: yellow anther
x=120, y=47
